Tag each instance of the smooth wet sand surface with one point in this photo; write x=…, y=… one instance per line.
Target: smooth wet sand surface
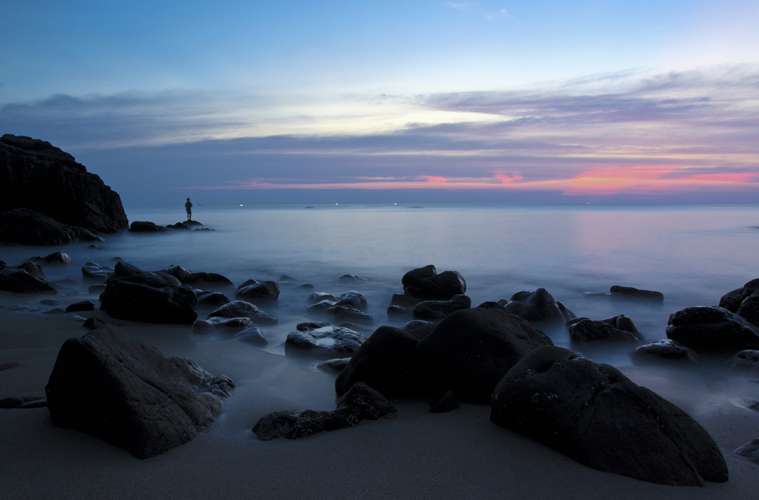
x=415, y=455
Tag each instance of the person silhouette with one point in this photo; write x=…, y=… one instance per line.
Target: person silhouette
x=188, y=207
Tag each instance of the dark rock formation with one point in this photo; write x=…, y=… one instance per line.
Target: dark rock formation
x=538, y=307
x=435, y=310
x=23, y=402
x=93, y=272
x=445, y=403
x=359, y=403
x=471, y=350
x=424, y=283
x=138, y=295
x=418, y=328
x=206, y=279
x=54, y=259
x=258, y=291
x=595, y=415
x=26, y=227
x=630, y=293
x=712, y=329
x=84, y=305
x=323, y=339
x=732, y=300
x=252, y=336
x=617, y=329
x=128, y=394
x=211, y=299
x=143, y=226
x=19, y=281
x=384, y=362
x=40, y=177
x=240, y=308
x=749, y=450
x=335, y=365
x=664, y=350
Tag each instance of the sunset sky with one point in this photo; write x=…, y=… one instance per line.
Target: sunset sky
x=295, y=102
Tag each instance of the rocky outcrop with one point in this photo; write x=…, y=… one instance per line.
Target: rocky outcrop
x=138, y=295
x=17, y=280
x=26, y=227
x=240, y=308
x=435, y=310
x=538, y=307
x=595, y=415
x=258, y=292
x=426, y=284
x=40, y=177
x=145, y=226
x=323, y=339
x=712, y=329
x=617, y=329
x=359, y=403
x=128, y=394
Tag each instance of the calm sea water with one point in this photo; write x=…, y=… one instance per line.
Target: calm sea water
x=692, y=254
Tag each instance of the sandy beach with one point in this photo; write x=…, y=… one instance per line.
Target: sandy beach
x=460, y=454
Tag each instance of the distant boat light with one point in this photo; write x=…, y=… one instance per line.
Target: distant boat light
x=240, y=204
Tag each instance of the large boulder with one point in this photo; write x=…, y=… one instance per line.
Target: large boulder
x=472, y=349
x=538, y=307
x=138, y=295
x=258, y=291
x=128, y=394
x=595, y=415
x=617, y=329
x=17, y=280
x=711, y=328
x=732, y=300
x=27, y=227
x=383, y=362
x=40, y=177
x=426, y=284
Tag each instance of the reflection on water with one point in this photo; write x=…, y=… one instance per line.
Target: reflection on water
x=692, y=254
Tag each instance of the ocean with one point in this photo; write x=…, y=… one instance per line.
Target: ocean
x=692, y=254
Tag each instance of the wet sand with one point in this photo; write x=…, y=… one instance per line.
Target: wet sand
x=415, y=455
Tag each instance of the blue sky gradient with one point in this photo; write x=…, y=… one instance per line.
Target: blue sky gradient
x=306, y=102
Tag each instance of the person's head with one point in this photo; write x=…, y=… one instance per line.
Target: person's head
x=188, y=199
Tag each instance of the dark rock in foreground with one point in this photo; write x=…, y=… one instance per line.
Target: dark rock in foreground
x=40, y=177
x=595, y=415
x=712, y=329
x=19, y=281
x=128, y=394
x=435, y=310
x=359, y=403
x=426, y=284
x=472, y=349
x=138, y=295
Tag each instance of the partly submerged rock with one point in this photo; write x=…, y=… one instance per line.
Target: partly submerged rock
x=711, y=328
x=19, y=281
x=240, y=308
x=318, y=338
x=617, y=329
x=258, y=292
x=538, y=307
x=595, y=415
x=426, y=284
x=630, y=293
x=665, y=350
x=435, y=310
x=128, y=394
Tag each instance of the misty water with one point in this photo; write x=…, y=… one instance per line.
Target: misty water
x=692, y=254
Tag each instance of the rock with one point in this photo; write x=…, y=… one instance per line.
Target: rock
x=472, y=349
x=202, y=381
x=19, y=281
x=126, y=393
x=54, y=259
x=206, y=279
x=9, y=365
x=178, y=225
x=399, y=313
x=383, y=362
x=251, y=335
x=202, y=326
x=211, y=299
x=749, y=309
x=84, y=305
x=350, y=278
x=447, y=402
x=95, y=273
x=178, y=272
x=32, y=268
x=26, y=227
x=359, y=403
x=588, y=330
x=749, y=450
x=424, y=283
x=354, y=300
x=304, y=287
x=23, y=402
x=142, y=226
x=258, y=291
x=40, y=177
x=228, y=325
x=435, y=310
x=712, y=329
x=747, y=360
x=318, y=297
x=139, y=295
x=732, y=300
x=341, y=314
x=538, y=307
x=665, y=350
x=335, y=365
x=328, y=340
x=239, y=308
x=418, y=328
x=595, y=415
x=630, y=293
x=93, y=322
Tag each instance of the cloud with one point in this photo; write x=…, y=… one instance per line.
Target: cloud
x=459, y=5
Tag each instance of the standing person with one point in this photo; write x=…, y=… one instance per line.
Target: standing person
x=188, y=207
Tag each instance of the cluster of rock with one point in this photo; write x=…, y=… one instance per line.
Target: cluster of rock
x=142, y=226
x=47, y=198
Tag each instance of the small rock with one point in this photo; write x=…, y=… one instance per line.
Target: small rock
x=630, y=293
x=84, y=305
x=447, y=402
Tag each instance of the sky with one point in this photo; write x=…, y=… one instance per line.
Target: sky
x=294, y=102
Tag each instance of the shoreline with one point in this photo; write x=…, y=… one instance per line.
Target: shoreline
x=460, y=454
